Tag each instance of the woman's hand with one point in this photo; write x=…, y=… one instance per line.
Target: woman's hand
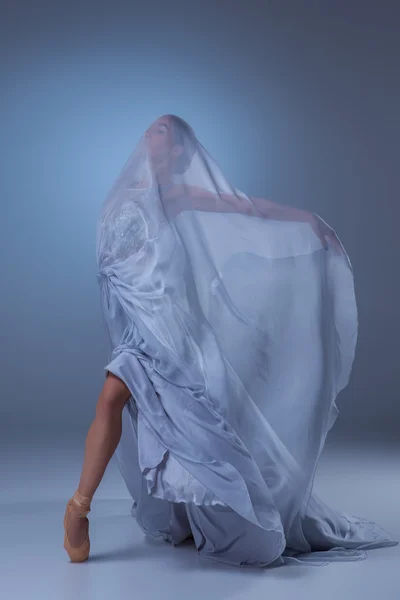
x=325, y=234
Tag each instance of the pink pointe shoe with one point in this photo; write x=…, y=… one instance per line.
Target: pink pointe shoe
x=79, y=506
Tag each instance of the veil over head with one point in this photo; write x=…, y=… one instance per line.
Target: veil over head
x=233, y=322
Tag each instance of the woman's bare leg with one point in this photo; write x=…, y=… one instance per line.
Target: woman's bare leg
x=101, y=442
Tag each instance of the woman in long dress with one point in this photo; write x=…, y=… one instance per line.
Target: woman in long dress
x=232, y=324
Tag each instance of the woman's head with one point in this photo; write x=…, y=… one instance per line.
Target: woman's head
x=171, y=143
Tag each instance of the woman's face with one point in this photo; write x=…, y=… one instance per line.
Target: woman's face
x=159, y=141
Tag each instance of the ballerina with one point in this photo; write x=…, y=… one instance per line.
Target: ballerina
x=232, y=325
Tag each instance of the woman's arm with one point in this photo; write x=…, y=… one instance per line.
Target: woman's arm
x=257, y=207
x=196, y=198
x=185, y=197
x=280, y=212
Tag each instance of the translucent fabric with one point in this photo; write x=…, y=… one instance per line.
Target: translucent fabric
x=233, y=322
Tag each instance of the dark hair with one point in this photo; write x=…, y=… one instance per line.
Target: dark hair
x=183, y=135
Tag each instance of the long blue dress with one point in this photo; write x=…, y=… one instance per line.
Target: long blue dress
x=235, y=335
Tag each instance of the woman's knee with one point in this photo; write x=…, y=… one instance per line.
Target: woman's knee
x=114, y=394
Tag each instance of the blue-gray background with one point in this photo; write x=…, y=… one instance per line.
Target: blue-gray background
x=297, y=101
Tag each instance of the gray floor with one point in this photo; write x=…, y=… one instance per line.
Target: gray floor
x=38, y=477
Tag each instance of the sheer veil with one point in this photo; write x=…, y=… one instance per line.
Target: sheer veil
x=233, y=321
